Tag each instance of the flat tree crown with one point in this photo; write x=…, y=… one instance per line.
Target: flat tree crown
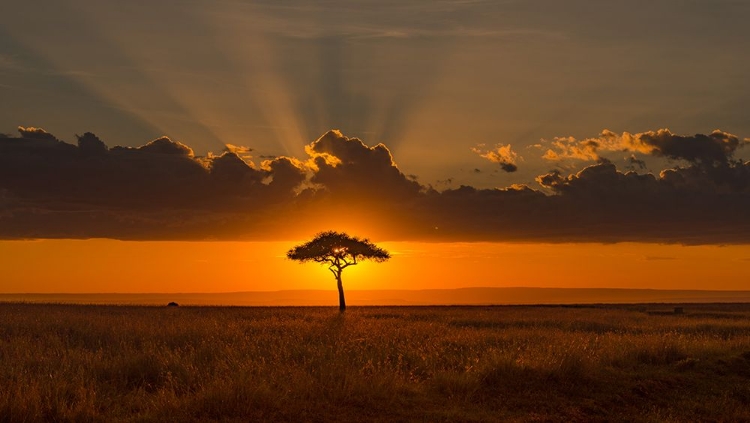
x=330, y=245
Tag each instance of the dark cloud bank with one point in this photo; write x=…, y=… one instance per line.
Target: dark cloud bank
x=161, y=191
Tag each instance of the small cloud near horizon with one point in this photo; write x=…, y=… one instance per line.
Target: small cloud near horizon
x=503, y=155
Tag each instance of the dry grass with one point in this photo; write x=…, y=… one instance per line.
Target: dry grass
x=427, y=364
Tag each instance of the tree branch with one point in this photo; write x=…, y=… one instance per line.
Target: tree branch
x=349, y=263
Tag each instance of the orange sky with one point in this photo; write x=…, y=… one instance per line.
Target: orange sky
x=79, y=266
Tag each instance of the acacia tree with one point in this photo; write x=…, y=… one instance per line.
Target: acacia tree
x=339, y=251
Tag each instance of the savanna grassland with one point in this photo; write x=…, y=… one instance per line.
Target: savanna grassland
x=427, y=364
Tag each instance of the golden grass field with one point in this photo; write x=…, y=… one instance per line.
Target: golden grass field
x=626, y=363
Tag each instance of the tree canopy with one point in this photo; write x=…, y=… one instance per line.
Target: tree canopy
x=339, y=250
x=329, y=246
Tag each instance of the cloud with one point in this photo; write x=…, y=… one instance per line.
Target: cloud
x=32, y=133
x=571, y=148
x=89, y=143
x=237, y=149
x=717, y=147
x=634, y=162
x=285, y=174
x=164, y=145
x=160, y=175
x=687, y=205
x=162, y=190
x=502, y=155
x=346, y=167
x=243, y=152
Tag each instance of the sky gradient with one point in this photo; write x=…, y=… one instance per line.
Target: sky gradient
x=438, y=125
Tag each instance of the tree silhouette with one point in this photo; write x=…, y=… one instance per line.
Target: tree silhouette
x=339, y=251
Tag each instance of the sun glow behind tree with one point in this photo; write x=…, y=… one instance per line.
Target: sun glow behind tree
x=339, y=251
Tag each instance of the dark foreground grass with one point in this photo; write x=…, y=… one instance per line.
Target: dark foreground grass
x=424, y=364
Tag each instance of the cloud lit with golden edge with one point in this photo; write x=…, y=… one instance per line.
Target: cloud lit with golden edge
x=162, y=190
x=503, y=155
x=718, y=146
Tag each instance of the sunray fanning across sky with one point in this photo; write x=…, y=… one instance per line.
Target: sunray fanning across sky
x=430, y=80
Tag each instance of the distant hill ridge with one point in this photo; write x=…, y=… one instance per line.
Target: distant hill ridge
x=458, y=296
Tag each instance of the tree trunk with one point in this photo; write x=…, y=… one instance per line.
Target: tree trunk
x=342, y=301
